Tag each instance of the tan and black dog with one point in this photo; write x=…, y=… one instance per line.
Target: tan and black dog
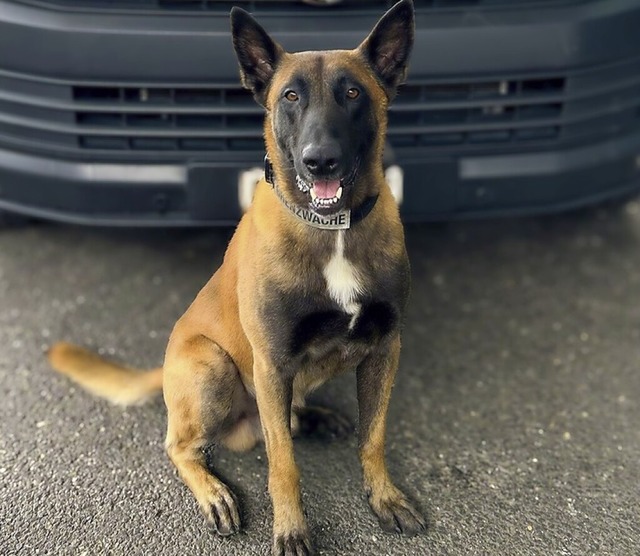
x=314, y=283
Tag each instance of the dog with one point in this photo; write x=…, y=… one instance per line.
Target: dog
x=314, y=283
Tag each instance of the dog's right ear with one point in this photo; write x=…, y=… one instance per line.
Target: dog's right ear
x=258, y=54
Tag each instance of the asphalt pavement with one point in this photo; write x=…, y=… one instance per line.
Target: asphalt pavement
x=515, y=421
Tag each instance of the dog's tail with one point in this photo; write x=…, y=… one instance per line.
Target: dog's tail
x=120, y=385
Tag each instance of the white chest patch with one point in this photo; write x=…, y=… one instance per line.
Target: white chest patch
x=343, y=282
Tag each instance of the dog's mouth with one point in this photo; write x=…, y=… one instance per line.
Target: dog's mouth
x=326, y=194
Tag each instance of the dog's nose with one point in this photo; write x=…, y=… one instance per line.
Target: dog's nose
x=321, y=160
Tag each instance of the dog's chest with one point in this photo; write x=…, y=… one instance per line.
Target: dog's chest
x=342, y=311
x=344, y=282
x=346, y=311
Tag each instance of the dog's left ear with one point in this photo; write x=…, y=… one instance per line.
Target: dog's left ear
x=388, y=46
x=258, y=54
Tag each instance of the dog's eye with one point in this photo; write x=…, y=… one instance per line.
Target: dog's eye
x=291, y=96
x=353, y=93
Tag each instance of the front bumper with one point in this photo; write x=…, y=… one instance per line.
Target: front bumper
x=131, y=118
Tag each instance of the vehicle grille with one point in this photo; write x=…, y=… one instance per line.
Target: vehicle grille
x=289, y=6
x=540, y=111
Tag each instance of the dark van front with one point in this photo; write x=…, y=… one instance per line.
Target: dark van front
x=129, y=112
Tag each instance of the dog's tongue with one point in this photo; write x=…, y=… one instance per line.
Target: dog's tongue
x=326, y=189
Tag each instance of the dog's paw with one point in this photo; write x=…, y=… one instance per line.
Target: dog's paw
x=397, y=515
x=292, y=544
x=221, y=511
x=323, y=423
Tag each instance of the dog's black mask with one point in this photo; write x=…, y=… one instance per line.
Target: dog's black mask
x=324, y=125
x=326, y=110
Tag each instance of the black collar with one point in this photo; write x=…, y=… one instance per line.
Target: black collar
x=340, y=221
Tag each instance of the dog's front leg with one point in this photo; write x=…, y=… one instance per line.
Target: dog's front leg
x=375, y=377
x=274, y=395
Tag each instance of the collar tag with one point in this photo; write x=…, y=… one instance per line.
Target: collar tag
x=338, y=221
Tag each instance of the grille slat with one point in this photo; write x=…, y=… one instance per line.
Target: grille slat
x=121, y=107
x=549, y=110
x=240, y=102
x=91, y=126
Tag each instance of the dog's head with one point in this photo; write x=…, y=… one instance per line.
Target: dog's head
x=326, y=112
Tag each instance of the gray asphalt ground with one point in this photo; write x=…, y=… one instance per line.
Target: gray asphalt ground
x=515, y=421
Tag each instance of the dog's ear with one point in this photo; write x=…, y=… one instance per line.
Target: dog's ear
x=258, y=54
x=388, y=46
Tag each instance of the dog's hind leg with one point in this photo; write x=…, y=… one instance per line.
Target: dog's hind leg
x=321, y=422
x=315, y=421
x=201, y=384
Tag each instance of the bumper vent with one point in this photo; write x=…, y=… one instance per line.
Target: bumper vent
x=227, y=119
x=185, y=119
x=502, y=111
x=453, y=117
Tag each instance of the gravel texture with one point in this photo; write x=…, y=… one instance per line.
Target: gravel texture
x=515, y=420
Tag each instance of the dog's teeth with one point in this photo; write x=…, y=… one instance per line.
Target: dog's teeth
x=302, y=185
x=313, y=195
x=339, y=193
